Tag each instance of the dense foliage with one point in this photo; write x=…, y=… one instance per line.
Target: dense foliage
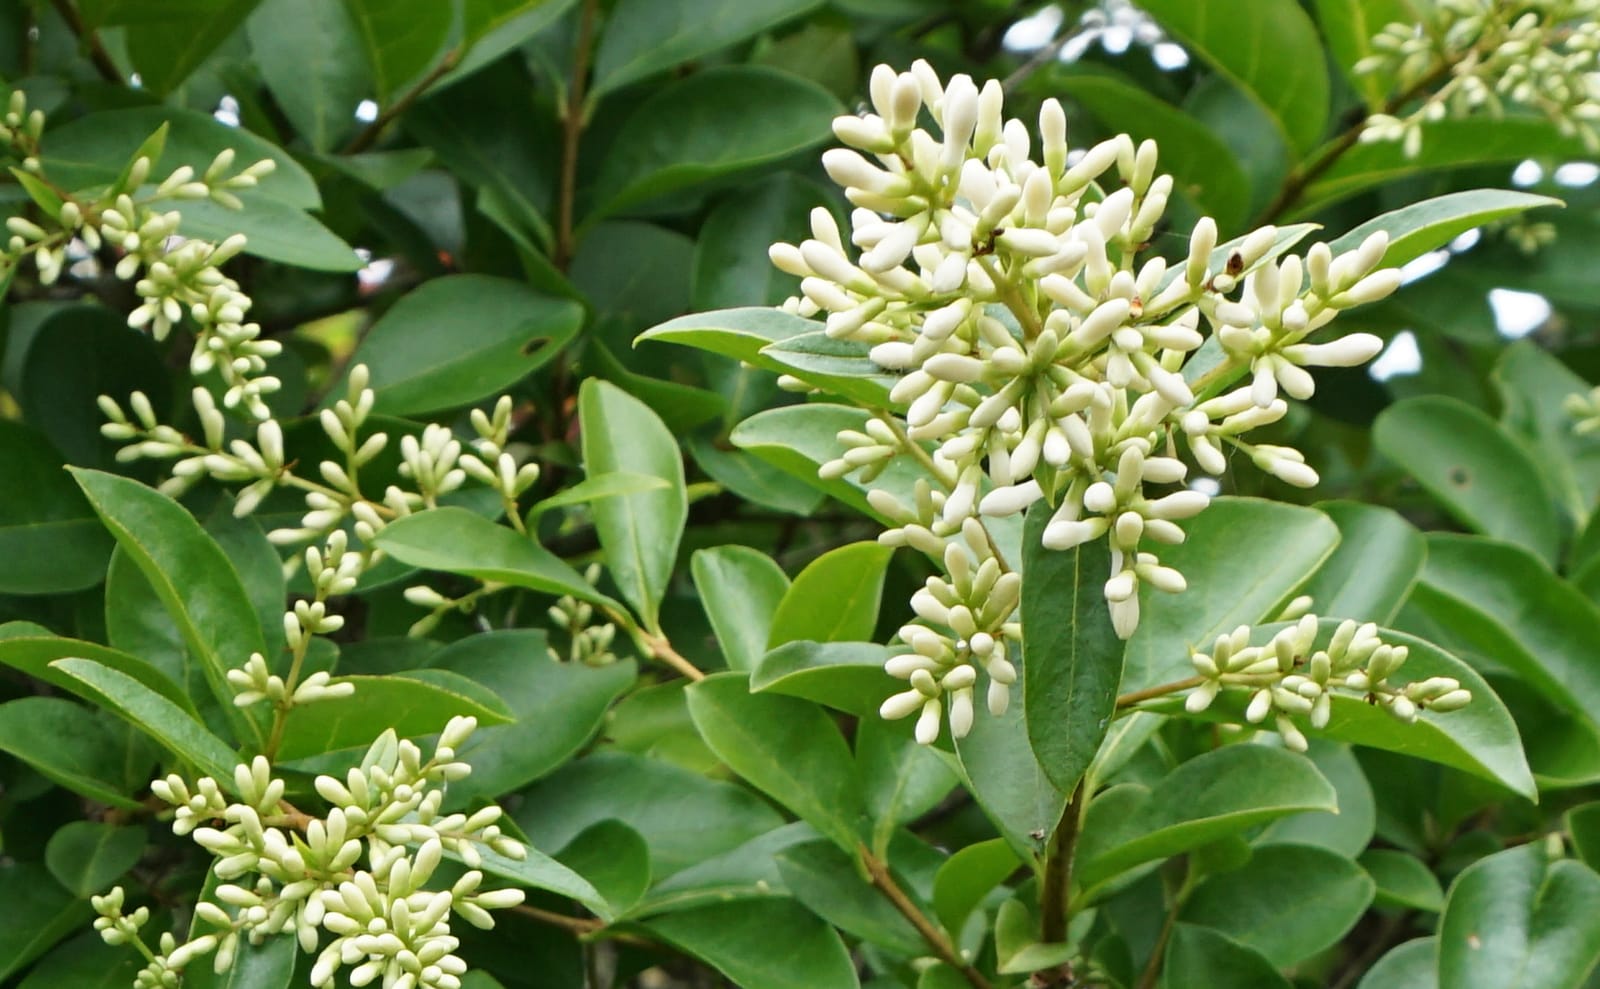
x=879, y=492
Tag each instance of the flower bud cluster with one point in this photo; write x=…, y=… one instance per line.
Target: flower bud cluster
x=589, y=643
x=360, y=873
x=1289, y=678
x=1539, y=55
x=1040, y=355
x=1584, y=410
x=966, y=626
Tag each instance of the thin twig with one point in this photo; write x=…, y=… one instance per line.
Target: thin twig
x=1161, y=690
x=577, y=925
x=97, y=52
x=936, y=938
x=369, y=135
x=572, y=121
x=1152, y=967
x=661, y=649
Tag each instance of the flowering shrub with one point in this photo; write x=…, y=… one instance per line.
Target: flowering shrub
x=939, y=603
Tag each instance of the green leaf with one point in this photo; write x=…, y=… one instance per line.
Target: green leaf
x=597, y=489
x=737, y=333
x=785, y=747
x=835, y=598
x=558, y=708
x=900, y=779
x=1268, y=48
x=32, y=650
x=614, y=859
x=308, y=52
x=190, y=574
x=761, y=944
x=683, y=816
x=748, y=872
x=459, y=339
x=1404, y=881
x=846, y=676
x=1450, y=143
x=838, y=367
x=1348, y=829
x=95, y=148
x=1204, y=956
x=411, y=707
x=750, y=478
x=639, y=532
x=85, y=962
x=1375, y=565
x=1006, y=779
x=740, y=589
x=457, y=541
x=1349, y=27
x=967, y=877
x=644, y=37
x=1244, y=558
x=1412, y=965
x=731, y=267
x=49, y=536
x=1205, y=799
x=1517, y=920
x=166, y=52
x=494, y=27
x=35, y=913
x=826, y=880
x=1202, y=167
x=1071, y=655
x=269, y=965
x=1421, y=227
x=88, y=856
x=400, y=38
x=1473, y=468
x=273, y=229
x=1532, y=384
x=537, y=870
x=162, y=720
x=70, y=745
x=1583, y=824
x=1289, y=902
x=709, y=125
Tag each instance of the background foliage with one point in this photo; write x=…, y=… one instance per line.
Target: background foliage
x=498, y=195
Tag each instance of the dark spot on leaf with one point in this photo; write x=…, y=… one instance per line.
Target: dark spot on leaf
x=1460, y=477
x=537, y=343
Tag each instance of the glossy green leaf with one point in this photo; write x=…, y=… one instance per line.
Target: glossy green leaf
x=273, y=229
x=162, y=720
x=785, y=747
x=1071, y=655
x=739, y=333
x=494, y=27
x=1372, y=570
x=85, y=962
x=639, y=532
x=1473, y=468
x=460, y=339
x=614, y=859
x=164, y=53
x=761, y=944
x=968, y=876
x=1207, y=798
x=190, y=574
x=1007, y=781
x=88, y=856
x=1412, y=965
x=900, y=779
x=1204, y=956
x=592, y=489
x=1243, y=559
x=315, y=70
x=1289, y=903
x=70, y=745
x=1269, y=48
x=32, y=650
x=835, y=598
x=838, y=367
x=269, y=965
x=49, y=535
x=826, y=880
x=1583, y=825
x=411, y=707
x=709, y=125
x=644, y=37
x=752, y=478
x=1404, y=881
x=731, y=267
x=1532, y=384
x=747, y=872
x=558, y=708
x=847, y=676
x=740, y=589
x=1517, y=919
x=457, y=541
x=35, y=913
x=1416, y=229
x=537, y=870
x=1347, y=830
x=400, y=39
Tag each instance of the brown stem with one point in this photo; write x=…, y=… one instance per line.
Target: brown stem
x=97, y=52
x=369, y=135
x=1152, y=967
x=1161, y=690
x=572, y=121
x=940, y=942
x=577, y=925
x=1055, y=893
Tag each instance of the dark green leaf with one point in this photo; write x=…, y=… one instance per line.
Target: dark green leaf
x=614, y=859
x=309, y=55
x=88, y=856
x=737, y=333
x=273, y=229
x=1349, y=26
x=1007, y=781
x=900, y=779
x=166, y=52
x=1404, y=881
x=644, y=37
x=85, y=962
x=1370, y=573
x=1517, y=920
x=269, y=965
x=537, y=870
x=1203, y=956
x=827, y=881
x=49, y=535
x=798, y=439
x=1583, y=825
x=35, y=913
x=70, y=745
x=761, y=944
x=158, y=717
x=1532, y=384
x=400, y=39
x=411, y=707
x=740, y=589
x=730, y=258
x=747, y=872
x=32, y=650
x=1346, y=830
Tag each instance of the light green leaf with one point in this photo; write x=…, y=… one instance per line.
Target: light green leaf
x=309, y=55
x=967, y=877
x=1370, y=573
x=737, y=333
x=639, y=532
x=1404, y=881
x=835, y=598
x=847, y=676
x=827, y=881
x=785, y=747
x=411, y=707
x=1214, y=795
x=459, y=339
x=49, y=536
x=1269, y=48
x=1416, y=229
x=158, y=717
x=1349, y=26
x=614, y=859
x=88, y=856
x=761, y=944
x=1517, y=920
x=1413, y=965
x=1071, y=655
x=1348, y=829
x=597, y=489
x=740, y=589
x=400, y=38
x=1532, y=384
x=70, y=745
x=1199, y=956
x=709, y=125
x=273, y=229
x=751, y=478
x=839, y=367
x=539, y=871
x=644, y=37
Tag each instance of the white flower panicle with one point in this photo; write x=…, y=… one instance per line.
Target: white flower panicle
x=1040, y=354
x=1490, y=55
x=1289, y=678
x=1584, y=408
x=358, y=877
